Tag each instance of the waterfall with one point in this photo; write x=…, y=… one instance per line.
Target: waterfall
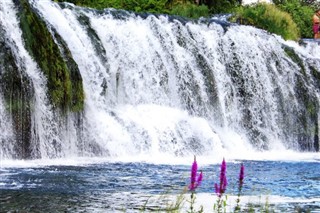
x=44, y=140
x=157, y=85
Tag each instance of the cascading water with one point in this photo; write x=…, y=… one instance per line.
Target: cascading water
x=7, y=136
x=44, y=140
x=155, y=86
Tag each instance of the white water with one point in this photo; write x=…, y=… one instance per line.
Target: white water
x=43, y=122
x=7, y=136
x=160, y=103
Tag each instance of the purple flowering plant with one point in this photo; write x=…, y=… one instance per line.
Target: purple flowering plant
x=241, y=178
x=221, y=188
x=195, y=181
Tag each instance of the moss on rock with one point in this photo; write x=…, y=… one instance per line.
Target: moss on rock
x=65, y=88
x=77, y=94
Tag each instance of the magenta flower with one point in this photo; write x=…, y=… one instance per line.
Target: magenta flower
x=220, y=189
x=194, y=180
x=194, y=169
x=241, y=178
x=216, y=188
x=199, y=178
x=241, y=175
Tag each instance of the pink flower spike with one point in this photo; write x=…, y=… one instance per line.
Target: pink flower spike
x=241, y=175
x=221, y=188
x=199, y=179
x=225, y=183
x=194, y=169
x=216, y=188
x=223, y=177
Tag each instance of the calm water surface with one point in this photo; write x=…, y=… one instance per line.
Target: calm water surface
x=111, y=187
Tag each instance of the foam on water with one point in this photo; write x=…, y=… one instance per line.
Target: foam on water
x=281, y=156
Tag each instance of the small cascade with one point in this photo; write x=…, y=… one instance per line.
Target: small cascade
x=311, y=45
x=7, y=137
x=43, y=139
x=158, y=85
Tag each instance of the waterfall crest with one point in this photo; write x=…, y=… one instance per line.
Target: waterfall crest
x=158, y=85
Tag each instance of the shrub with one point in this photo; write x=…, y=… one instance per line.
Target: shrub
x=190, y=10
x=301, y=15
x=270, y=18
x=222, y=6
x=152, y=6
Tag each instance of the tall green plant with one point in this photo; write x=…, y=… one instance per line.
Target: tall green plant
x=270, y=18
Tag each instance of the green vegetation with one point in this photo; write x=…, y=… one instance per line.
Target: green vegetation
x=223, y=6
x=270, y=18
x=185, y=8
x=301, y=14
x=65, y=92
x=289, y=18
x=190, y=10
x=152, y=6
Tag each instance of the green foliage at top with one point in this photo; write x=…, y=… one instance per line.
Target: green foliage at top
x=190, y=10
x=270, y=18
x=152, y=6
x=45, y=51
x=222, y=6
x=301, y=15
x=287, y=18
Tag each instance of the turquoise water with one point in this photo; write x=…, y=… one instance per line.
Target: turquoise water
x=111, y=187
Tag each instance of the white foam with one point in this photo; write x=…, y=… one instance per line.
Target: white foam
x=281, y=156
